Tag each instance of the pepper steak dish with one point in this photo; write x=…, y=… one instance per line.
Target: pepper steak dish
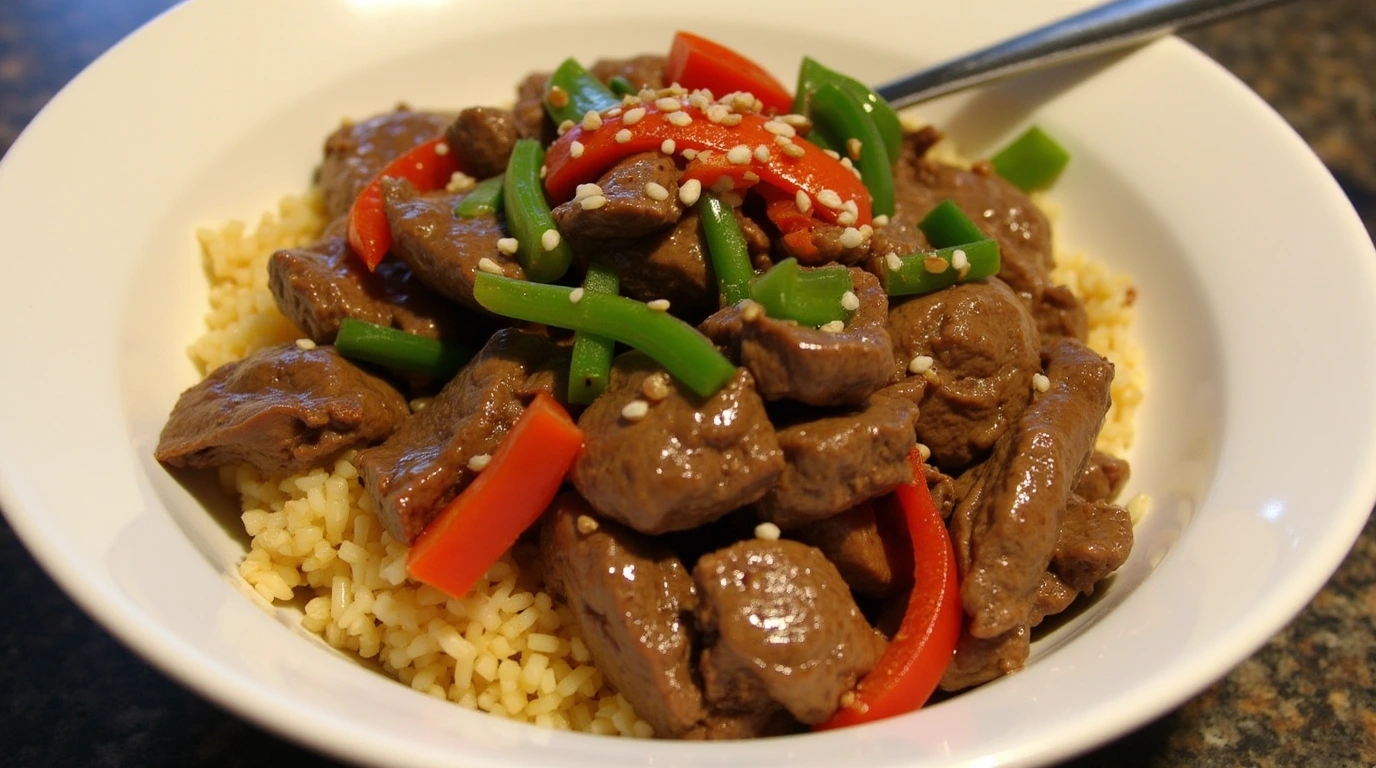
x=666, y=402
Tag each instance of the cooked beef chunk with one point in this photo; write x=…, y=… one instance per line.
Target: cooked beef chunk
x=779, y=625
x=629, y=210
x=984, y=347
x=978, y=660
x=356, y=152
x=670, y=264
x=632, y=601
x=645, y=71
x=532, y=122
x=719, y=726
x=689, y=461
x=424, y=464
x=282, y=409
x=824, y=246
x=1060, y=313
x=837, y=461
x=481, y=138
x=854, y=542
x=318, y=286
x=942, y=487
x=1103, y=478
x=442, y=249
x=794, y=362
x=1005, y=529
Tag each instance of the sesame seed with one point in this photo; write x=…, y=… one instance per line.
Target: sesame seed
x=850, y=206
x=419, y=404
x=723, y=185
x=679, y=119
x=690, y=191
x=829, y=198
x=731, y=119
x=935, y=264
x=921, y=364
x=793, y=150
x=831, y=153
x=613, y=112
x=658, y=305
x=761, y=153
x=647, y=95
x=881, y=220
x=849, y=301
x=750, y=176
x=716, y=113
x=959, y=260
x=1040, y=382
x=893, y=262
x=846, y=219
x=668, y=146
x=655, y=387
x=490, y=267
x=557, y=97
x=544, y=170
x=508, y=245
x=700, y=99
x=803, y=202
x=781, y=129
x=924, y=451
x=591, y=120
x=623, y=135
x=848, y=699
x=853, y=147
x=689, y=153
x=460, y=182
x=768, y=532
x=442, y=149
x=576, y=150
x=479, y=462
x=656, y=191
x=565, y=127
x=782, y=141
x=549, y=239
x=751, y=311
x=633, y=116
x=586, y=190
x=305, y=345
x=635, y=410
x=835, y=326
x=576, y=295
x=847, y=164
x=794, y=119
x=592, y=202
x=668, y=104
x=630, y=100
x=743, y=100
x=586, y=524
x=738, y=155
x=851, y=238
x=866, y=231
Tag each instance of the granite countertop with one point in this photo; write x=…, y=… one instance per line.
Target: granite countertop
x=75, y=696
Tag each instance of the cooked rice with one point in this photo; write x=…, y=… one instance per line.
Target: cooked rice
x=506, y=648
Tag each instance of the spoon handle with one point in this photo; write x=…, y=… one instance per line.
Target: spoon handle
x=1116, y=24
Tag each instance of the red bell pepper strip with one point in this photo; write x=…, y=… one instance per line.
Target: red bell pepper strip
x=810, y=171
x=921, y=650
x=506, y=498
x=424, y=165
x=696, y=62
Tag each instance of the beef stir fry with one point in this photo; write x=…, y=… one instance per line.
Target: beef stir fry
x=760, y=385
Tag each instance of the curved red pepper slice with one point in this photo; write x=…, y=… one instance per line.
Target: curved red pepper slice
x=696, y=62
x=424, y=165
x=811, y=170
x=914, y=662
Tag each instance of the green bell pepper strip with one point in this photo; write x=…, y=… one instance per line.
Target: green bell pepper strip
x=840, y=112
x=584, y=93
x=812, y=297
x=812, y=74
x=946, y=225
x=620, y=86
x=591, y=365
x=1033, y=161
x=485, y=199
x=371, y=343
x=685, y=353
x=727, y=248
x=913, y=277
x=528, y=215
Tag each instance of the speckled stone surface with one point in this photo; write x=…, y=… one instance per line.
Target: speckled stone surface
x=70, y=695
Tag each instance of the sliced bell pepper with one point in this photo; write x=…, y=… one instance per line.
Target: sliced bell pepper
x=810, y=171
x=812, y=74
x=946, y=226
x=926, y=272
x=581, y=93
x=696, y=62
x=811, y=297
x=506, y=498
x=840, y=110
x=424, y=165
x=590, y=364
x=372, y=343
x=542, y=251
x=727, y=248
x=1032, y=161
x=912, y=665
x=484, y=199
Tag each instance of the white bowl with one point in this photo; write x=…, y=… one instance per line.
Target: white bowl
x=1257, y=441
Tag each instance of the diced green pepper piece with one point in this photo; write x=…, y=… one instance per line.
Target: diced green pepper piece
x=389, y=347
x=810, y=297
x=946, y=225
x=907, y=275
x=591, y=365
x=811, y=74
x=844, y=115
x=620, y=86
x=1033, y=161
x=485, y=199
x=583, y=91
x=727, y=248
x=528, y=216
x=685, y=353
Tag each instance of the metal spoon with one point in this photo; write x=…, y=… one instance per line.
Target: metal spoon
x=1107, y=27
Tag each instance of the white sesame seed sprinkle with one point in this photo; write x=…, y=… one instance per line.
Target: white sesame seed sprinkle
x=576, y=150
x=716, y=113
x=633, y=116
x=1040, y=382
x=549, y=239
x=921, y=364
x=635, y=410
x=479, y=462
x=490, y=267
x=586, y=190
x=592, y=202
x=613, y=112
x=690, y=191
x=768, y=532
x=658, y=305
x=442, y=149
x=803, y=202
x=780, y=128
x=893, y=262
x=460, y=182
x=850, y=206
x=576, y=295
x=849, y=301
x=846, y=219
x=305, y=345
x=591, y=120
x=679, y=119
x=723, y=185
x=623, y=135
x=508, y=245
x=881, y=220
x=851, y=238
x=565, y=127
x=655, y=387
x=738, y=155
x=761, y=153
x=648, y=95
x=831, y=153
x=959, y=260
x=731, y=119
x=829, y=199
x=794, y=150
x=935, y=264
x=853, y=147
x=668, y=104
x=668, y=146
x=924, y=451
x=835, y=326
x=587, y=525
x=689, y=154
x=751, y=311
x=656, y=191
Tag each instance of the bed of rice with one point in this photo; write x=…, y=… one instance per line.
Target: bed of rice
x=506, y=648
